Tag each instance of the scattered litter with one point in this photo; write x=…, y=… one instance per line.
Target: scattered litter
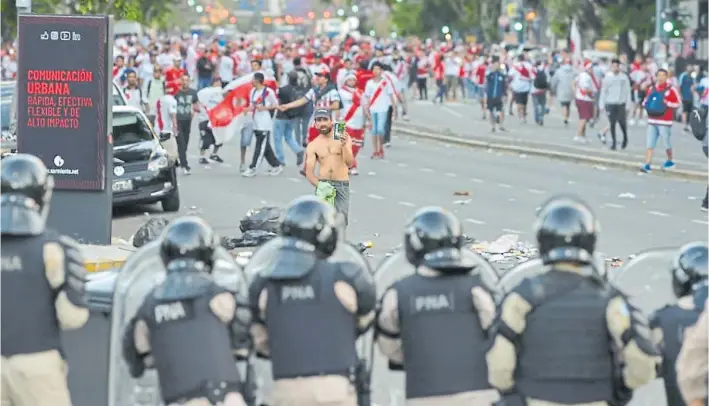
x=466, y=201
x=376, y=234
x=371, y=173
x=462, y=193
x=600, y=168
x=522, y=155
x=692, y=198
x=149, y=231
x=626, y=196
x=506, y=249
x=264, y=219
x=250, y=238
x=614, y=262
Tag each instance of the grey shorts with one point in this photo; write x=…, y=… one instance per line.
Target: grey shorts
x=342, y=198
x=247, y=134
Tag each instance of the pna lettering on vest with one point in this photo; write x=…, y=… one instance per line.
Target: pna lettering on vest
x=11, y=263
x=432, y=303
x=170, y=312
x=297, y=292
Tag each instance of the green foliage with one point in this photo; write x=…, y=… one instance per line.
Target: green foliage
x=148, y=12
x=405, y=17
x=426, y=17
x=637, y=16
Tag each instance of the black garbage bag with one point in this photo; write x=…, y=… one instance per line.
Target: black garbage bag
x=250, y=238
x=264, y=219
x=149, y=231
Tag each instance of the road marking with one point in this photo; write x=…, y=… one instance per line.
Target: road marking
x=451, y=175
x=376, y=197
x=658, y=213
x=453, y=112
x=536, y=191
x=429, y=170
x=504, y=185
x=476, y=180
x=613, y=205
x=296, y=180
x=699, y=222
x=511, y=231
x=401, y=165
x=474, y=221
x=407, y=204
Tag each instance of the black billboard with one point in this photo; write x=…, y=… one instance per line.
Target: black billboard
x=62, y=95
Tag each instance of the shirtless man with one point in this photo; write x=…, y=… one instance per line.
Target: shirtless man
x=334, y=159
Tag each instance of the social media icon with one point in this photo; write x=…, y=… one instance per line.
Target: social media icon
x=54, y=35
x=44, y=36
x=58, y=161
x=65, y=35
x=76, y=36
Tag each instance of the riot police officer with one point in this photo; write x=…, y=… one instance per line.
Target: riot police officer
x=309, y=309
x=43, y=278
x=190, y=329
x=565, y=336
x=689, y=283
x=443, y=303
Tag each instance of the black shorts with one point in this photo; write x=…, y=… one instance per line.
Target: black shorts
x=494, y=105
x=521, y=98
x=687, y=106
x=566, y=104
x=639, y=96
x=206, y=136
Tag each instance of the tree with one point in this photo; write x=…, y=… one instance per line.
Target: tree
x=8, y=12
x=585, y=12
x=620, y=18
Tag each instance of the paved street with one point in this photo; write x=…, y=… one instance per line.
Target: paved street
x=636, y=211
x=466, y=120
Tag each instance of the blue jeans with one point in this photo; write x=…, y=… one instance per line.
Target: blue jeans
x=203, y=82
x=300, y=128
x=539, y=102
x=283, y=129
x=379, y=124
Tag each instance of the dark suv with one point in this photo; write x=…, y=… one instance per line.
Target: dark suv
x=143, y=171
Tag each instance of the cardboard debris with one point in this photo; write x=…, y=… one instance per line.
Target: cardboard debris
x=462, y=193
x=466, y=201
x=506, y=249
x=626, y=196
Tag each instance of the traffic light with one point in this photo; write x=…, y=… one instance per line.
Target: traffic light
x=518, y=26
x=669, y=25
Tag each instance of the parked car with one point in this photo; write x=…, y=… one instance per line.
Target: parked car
x=143, y=170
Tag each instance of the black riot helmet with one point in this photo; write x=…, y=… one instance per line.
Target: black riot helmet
x=188, y=243
x=26, y=194
x=433, y=238
x=566, y=230
x=690, y=268
x=309, y=219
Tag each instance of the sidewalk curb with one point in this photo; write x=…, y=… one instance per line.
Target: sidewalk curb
x=99, y=258
x=694, y=176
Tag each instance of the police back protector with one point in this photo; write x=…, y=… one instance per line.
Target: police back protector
x=673, y=321
x=566, y=352
x=29, y=321
x=444, y=343
x=310, y=332
x=190, y=344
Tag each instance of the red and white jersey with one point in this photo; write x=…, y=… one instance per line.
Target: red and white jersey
x=641, y=79
x=399, y=68
x=423, y=66
x=118, y=73
x=166, y=108
x=468, y=69
x=479, y=72
x=585, y=87
x=352, y=107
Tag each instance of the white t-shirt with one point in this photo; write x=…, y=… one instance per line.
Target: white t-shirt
x=145, y=71
x=208, y=99
x=165, y=60
x=226, y=68
x=704, y=97
x=585, y=88
x=522, y=74
x=134, y=97
x=451, y=66
x=347, y=94
x=166, y=107
x=264, y=97
x=383, y=101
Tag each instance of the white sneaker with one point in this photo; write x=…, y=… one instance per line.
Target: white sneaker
x=186, y=171
x=354, y=171
x=631, y=121
x=248, y=173
x=243, y=167
x=276, y=171
x=581, y=140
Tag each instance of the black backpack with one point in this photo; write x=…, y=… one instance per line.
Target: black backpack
x=540, y=80
x=698, y=123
